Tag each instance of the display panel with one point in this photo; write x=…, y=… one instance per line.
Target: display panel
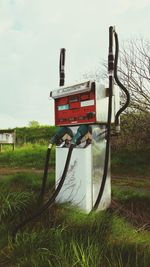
x=75, y=109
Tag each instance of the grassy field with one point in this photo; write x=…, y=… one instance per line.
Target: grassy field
x=134, y=163
x=27, y=156
x=33, y=156
x=65, y=237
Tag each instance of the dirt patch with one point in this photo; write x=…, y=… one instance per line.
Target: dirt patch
x=129, y=177
x=9, y=171
x=132, y=181
x=134, y=213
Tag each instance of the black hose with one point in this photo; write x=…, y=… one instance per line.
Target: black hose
x=112, y=68
x=51, y=199
x=106, y=161
x=56, y=139
x=45, y=174
x=107, y=151
x=126, y=104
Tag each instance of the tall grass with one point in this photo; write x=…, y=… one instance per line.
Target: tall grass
x=62, y=236
x=93, y=241
x=13, y=202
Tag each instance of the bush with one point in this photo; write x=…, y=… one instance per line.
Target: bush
x=40, y=134
x=135, y=132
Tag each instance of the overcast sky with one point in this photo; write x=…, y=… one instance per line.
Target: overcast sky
x=31, y=35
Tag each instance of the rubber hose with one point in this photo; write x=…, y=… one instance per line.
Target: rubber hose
x=106, y=161
x=109, y=114
x=51, y=199
x=107, y=151
x=44, y=179
x=126, y=104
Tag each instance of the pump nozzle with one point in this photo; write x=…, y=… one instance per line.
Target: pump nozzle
x=81, y=132
x=58, y=137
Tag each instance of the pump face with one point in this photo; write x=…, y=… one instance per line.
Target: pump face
x=75, y=104
x=76, y=109
x=85, y=103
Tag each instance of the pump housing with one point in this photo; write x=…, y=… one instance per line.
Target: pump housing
x=84, y=103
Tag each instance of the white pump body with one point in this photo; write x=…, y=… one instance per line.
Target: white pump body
x=85, y=172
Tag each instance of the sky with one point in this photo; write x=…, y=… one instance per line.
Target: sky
x=31, y=35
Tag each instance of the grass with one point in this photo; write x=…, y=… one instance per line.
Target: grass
x=66, y=237
x=33, y=156
x=27, y=156
x=127, y=194
x=27, y=180
x=131, y=162
x=98, y=241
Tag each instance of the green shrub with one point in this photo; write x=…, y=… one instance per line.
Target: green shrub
x=135, y=132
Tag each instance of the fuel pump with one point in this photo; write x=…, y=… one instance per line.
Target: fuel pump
x=79, y=107
x=84, y=113
x=87, y=184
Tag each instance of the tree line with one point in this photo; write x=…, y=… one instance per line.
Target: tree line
x=134, y=134
x=36, y=134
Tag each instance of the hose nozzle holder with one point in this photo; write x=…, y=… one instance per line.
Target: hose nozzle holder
x=58, y=137
x=81, y=132
x=117, y=129
x=110, y=54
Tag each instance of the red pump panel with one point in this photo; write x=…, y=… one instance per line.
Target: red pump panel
x=76, y=109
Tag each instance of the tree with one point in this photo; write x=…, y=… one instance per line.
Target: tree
x=134, y=72
x=33, y=124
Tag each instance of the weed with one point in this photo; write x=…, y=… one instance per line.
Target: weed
x=13, y=202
